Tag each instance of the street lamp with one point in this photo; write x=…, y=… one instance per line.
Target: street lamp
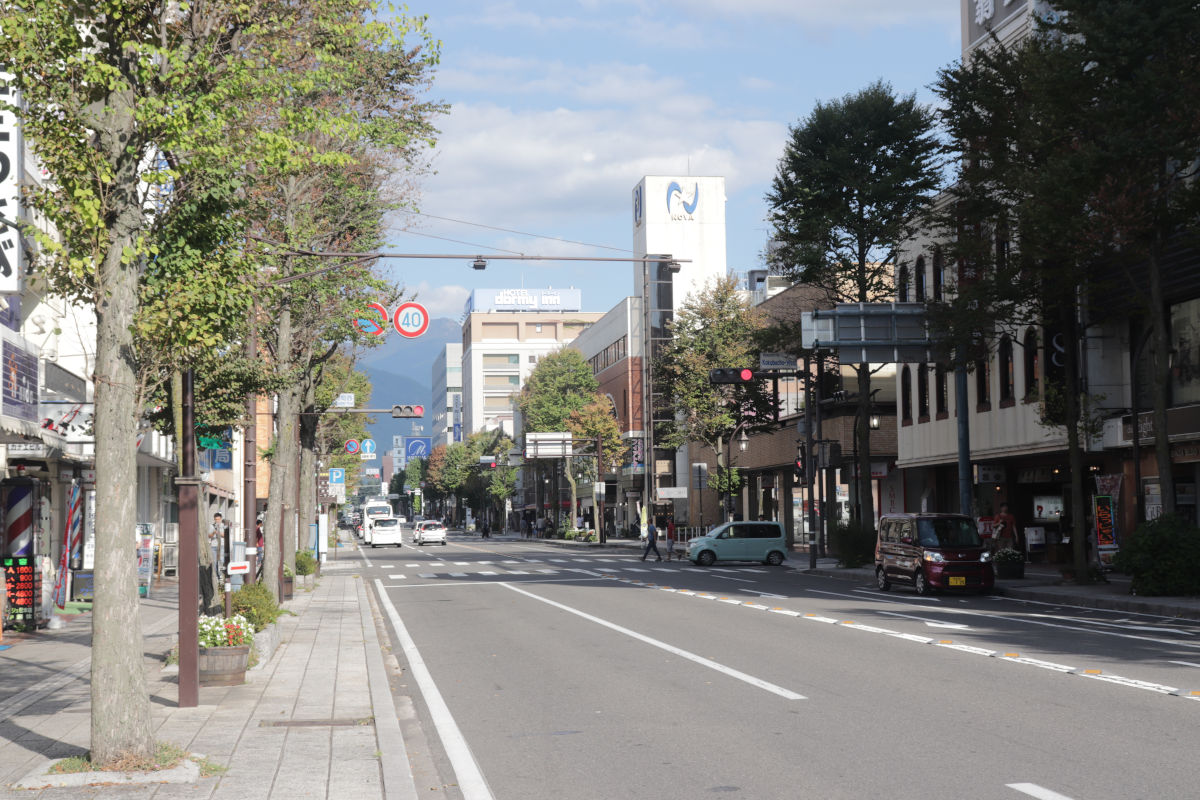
x=743, y=442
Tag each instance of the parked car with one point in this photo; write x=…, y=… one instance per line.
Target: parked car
x=428, y=532
x=740, y=541
x=385, y=530
x=932, y=551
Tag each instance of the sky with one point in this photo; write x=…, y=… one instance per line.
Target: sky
x=557, y=110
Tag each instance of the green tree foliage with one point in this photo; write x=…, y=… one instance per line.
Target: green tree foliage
x=713, y=328
x=562, y=382
x=136, y=111
x=851, y=186
x=1078, y=145
x=560, y=385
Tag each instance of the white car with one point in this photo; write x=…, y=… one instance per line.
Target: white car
x=429, y=531
x=385, y=530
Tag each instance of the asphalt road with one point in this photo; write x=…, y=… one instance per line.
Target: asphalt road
x=541, y=672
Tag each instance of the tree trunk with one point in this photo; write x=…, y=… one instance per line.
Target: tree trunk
x=308, y=461
x=571, y=483
x=1161, y=367
x=274, y=517
x=862, y=430
x=120, y=719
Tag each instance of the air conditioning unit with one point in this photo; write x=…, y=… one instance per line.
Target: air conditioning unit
x=171, y=532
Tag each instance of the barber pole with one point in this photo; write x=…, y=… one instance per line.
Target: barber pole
x=18, y=520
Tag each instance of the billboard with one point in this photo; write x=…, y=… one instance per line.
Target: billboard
x=524, y=300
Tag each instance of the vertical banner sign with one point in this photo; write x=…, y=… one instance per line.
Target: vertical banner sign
x=10, y=187
x=1108, y=489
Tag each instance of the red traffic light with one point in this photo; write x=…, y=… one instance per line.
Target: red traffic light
x=731, y=375
x=407, y=411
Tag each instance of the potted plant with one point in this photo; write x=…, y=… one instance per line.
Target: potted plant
x=224, y=650
x=1009, y=563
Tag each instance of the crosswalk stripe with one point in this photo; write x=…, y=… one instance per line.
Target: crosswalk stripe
x=426, y=575
x=487, y=572
x=396, y=577
x=458, y=574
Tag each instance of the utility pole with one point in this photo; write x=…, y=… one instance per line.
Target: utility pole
x=189, y=555
x=810, y=408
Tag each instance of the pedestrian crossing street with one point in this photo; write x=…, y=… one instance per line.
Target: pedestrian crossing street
x=498, y=568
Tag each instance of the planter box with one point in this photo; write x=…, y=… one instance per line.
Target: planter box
x=1010, y=569
x=287, y=587
x=266, y=642
x=224, y=666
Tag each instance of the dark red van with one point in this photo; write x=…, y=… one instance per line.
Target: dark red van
x=932, y=551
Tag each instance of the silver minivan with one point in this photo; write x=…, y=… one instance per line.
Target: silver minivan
x=740, y=541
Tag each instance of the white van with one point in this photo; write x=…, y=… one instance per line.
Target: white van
x=385, y=530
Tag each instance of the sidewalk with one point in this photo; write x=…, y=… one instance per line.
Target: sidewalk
x=316, y=721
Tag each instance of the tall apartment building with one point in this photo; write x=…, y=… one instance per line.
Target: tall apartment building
x=445, y=407
x=505, y=332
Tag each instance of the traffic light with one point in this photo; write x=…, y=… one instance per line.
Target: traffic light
x=487, y=461
x=731, y=375
x=800, y=474
x=407, y=412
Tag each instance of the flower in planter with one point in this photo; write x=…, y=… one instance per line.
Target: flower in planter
x=222, y=632
x=1007, y=555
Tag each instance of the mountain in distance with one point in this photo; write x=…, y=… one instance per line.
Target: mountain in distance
x=401, y=372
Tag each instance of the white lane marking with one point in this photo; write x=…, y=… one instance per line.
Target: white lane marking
x=634, y=569
x=470, y=779
x=517, y=572
x=487, y=572
x=1184, y=663
x=482, y=583
x=1040, y=792
x=410, y=566
x=731, y=578
x=933, y=623
x=396, y=577
x=585, y=572
x=426, y=574
x=559, y=560
x=458, y=574
x=1022, y=619
x=484, y=562
x=768, y=594
x=787, y=694
x=547, y=571
x=461, y=563
x=510, y=562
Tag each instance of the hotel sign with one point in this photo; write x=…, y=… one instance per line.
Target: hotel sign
x=525, y=300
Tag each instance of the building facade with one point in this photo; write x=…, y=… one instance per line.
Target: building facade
x=446, y=403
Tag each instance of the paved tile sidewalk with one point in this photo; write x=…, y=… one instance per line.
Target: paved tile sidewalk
x=317, y=721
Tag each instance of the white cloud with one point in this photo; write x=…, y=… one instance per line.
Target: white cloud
x=440, y=300
x=838, y=14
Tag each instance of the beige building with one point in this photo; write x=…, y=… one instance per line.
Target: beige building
x=501, y=346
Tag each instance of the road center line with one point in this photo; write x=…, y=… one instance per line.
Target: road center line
x=470, y=779
x=701, y=660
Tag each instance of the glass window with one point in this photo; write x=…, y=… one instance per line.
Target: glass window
x=919, y=278
x=923, y=391
x=906, y=395
x=1185, y=340
x=1006, y=369
x=948, y=533
x=941, y=390
x=501, y=360
x=902, y=284
x=1032, y=375
x=938, y=269
x=983, y=385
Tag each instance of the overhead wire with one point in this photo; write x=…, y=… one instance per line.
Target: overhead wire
x=518, y=233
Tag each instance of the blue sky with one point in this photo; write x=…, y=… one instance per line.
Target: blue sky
x=557, y=109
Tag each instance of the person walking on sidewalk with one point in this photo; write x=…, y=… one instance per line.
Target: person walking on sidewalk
x=670, y=538
x=651, y=541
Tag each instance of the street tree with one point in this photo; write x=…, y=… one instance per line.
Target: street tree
x=854, y=178
x=561, y=384
x=713, y=328
x=1075, y=146
x=136, y=112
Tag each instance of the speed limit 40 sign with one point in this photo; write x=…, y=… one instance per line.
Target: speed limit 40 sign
x=411, y=320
